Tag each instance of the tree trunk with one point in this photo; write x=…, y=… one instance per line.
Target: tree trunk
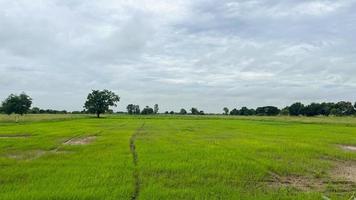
x=98, y=115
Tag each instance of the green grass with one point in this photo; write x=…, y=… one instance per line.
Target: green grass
x=178, y=157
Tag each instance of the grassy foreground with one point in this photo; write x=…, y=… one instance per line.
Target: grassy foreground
x=123, y=157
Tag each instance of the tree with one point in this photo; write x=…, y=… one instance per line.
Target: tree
x=296, y=109
x=326, y=108
x=172, y=112
x=234, y=112
x=137, y=110
x=312, y=109
x=245, y=111
x=147, y=111
x=18, y=104
x=194, y=111
x=267, y=110
x=346, y=108
x=130, y=109
x=99, y=102
x=226, y=111
x=155, y=108
x=35, y=110
x=335, y=112
x=284, y=111
x=182, y=111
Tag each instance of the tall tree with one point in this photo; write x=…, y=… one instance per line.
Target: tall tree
x=226, y=111
x=155, y=108
x=137, y=110
x=130, y=109
x=18, y=104
x=99, y=102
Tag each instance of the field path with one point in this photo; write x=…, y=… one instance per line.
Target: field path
x=136, y=176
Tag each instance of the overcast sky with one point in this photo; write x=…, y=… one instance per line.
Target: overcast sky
x=183, y=53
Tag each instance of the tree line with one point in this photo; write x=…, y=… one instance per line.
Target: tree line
x=342, y=108
x=99, y=102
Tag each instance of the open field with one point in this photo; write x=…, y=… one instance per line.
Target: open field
x=177, y=157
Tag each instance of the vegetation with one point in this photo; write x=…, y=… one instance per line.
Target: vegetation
x=147, y=111
x=226, y=111
x=18, y=104
x=183, y=111
x=341, y=108
x=178, y=157
x=133, y=109
x=99, y=102
x=155, y=109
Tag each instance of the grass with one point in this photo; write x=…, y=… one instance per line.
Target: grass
x=178, y=157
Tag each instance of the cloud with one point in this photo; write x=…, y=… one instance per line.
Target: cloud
x=208, y=54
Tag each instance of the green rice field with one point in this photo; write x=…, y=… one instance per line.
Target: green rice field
x=177, y=157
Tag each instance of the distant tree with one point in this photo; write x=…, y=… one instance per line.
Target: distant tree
x=182, y=111
x=99, y=102
x=313, y=109
x=130, y=109
x=147, y=111
x=326, y=108
x=201, y=112
x=35, y=110
x=166, y=112
x=296, y=109
x=284, y=111
x=245, y=111
x=234, y=112
x=155, y=109
x=346, y=108
x=18, y=104
x=194, y=111
x=267, y=110
x=133, y=109
x=172, y=112
x=335, y=112
x=226, y=111
x=137, y=110
x=1, y=110
x=252, y=111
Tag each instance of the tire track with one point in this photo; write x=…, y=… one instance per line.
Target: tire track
x=136, y=177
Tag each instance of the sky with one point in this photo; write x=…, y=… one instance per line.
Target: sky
x=207, y=54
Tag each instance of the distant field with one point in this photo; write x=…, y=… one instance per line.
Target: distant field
x=177, y=157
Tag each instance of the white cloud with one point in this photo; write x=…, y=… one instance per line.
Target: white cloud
x=207, y=53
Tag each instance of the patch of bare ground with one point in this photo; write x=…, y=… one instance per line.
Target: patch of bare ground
x=341, y=179
x=345, y=171
x=301, y=183
x=348, y=147
x=27, y=155
x=33, y=154
x=15, y=136
x=80, y=141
